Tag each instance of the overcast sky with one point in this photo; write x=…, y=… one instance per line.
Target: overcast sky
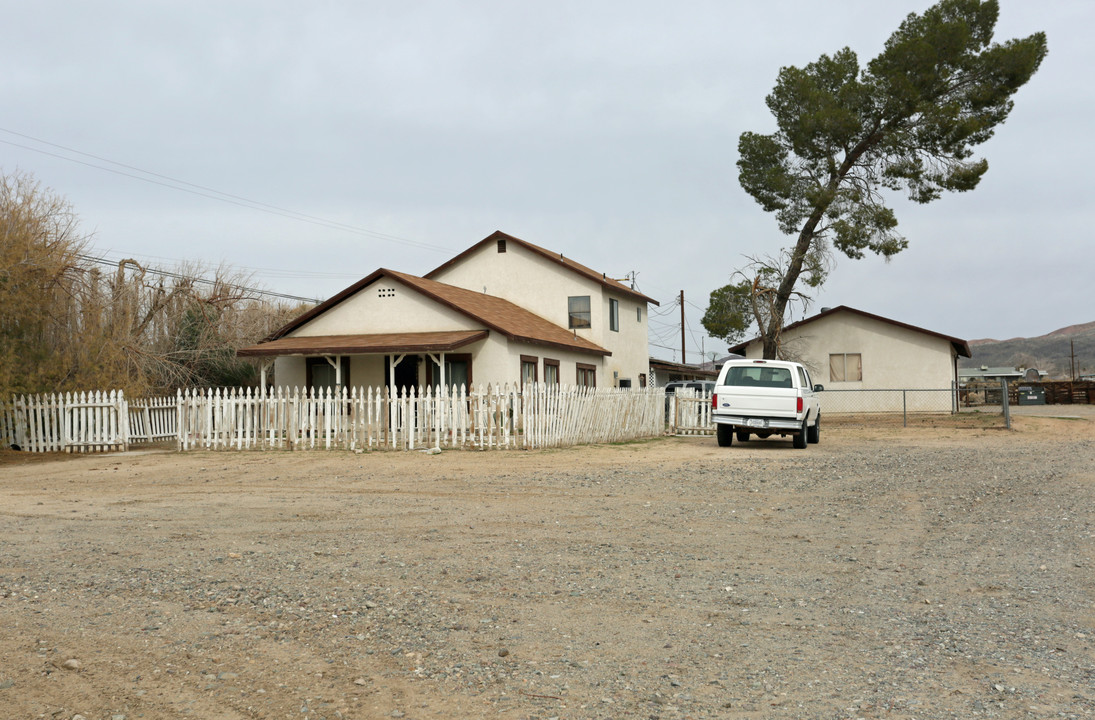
x=607, y=131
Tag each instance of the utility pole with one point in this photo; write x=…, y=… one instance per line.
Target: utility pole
x=683, y=361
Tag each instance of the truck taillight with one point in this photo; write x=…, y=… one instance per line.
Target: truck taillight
x=798, y=405
x=714, y=401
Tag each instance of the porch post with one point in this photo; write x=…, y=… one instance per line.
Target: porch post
x=337, y=364
x=392, y=394
x=262, y=374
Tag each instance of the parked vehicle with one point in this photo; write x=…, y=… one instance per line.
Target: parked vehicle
x=765, y=398
x=700, y=386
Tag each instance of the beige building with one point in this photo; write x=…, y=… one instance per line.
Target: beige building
x=848, y=349
x=503, y=311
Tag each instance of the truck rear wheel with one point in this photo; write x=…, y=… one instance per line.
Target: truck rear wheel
x=725, y=435
x=798, y=441
x=813, y=435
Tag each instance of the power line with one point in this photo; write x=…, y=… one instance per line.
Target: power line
x=212, y=193
x=200, y=280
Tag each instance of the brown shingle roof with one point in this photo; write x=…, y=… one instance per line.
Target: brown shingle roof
x=599, y=278
x=362, y=344
x=497, y=314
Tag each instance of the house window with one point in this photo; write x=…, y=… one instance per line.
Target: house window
x=457, y=371
x=638, y=314
x=579, y=312
x=587, y=375
x=845, y=367
x=501, y=246
x=614, y=315
x=642, y=380
x=528, y=369
x=551, y=371
x=321, y=374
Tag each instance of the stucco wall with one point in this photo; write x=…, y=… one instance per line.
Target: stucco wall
x=528, y=280
x=542, y=287
x=386, y=306
x=893, y=357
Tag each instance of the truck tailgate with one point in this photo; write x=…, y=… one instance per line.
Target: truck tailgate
x=772, y=402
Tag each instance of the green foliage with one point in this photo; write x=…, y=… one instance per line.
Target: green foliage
x=729, y=312
x=908, y=121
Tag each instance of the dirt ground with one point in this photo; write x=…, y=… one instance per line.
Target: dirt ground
x=944, y=570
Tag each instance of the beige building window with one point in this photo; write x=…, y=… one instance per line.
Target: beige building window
x=578, y=309
x=587, y=375
x=528, y=369
x=551, y=371
x=845, y=367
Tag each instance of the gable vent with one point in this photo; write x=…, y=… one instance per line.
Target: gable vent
x=386, y=292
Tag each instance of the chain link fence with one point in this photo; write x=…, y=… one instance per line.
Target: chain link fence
x=902, y=400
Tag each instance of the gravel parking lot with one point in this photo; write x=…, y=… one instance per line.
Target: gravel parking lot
x=944, y=570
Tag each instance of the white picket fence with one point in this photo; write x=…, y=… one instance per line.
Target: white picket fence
x=535, y=416
x=69, y=422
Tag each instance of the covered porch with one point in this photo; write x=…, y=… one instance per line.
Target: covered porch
x=393, y=360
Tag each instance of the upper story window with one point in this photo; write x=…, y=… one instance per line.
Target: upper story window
x=578, y=312
x=614, y=315
x=501, y=246
x=639, y=315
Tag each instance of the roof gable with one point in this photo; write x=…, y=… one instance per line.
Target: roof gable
x=961, y=347
x=565, y=262
x=512, y=321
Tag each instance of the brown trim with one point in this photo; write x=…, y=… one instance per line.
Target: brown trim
x=578, y=368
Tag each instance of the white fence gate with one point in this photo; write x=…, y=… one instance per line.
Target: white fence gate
x=688, y=412
x=153, y=419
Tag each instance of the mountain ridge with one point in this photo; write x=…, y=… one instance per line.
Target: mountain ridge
x=1052, y=352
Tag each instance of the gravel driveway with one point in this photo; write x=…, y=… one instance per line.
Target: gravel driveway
x=945, y=570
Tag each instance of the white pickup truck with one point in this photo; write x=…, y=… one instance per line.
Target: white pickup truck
x=763, y=398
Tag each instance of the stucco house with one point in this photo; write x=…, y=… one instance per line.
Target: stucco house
x=849, y=349
x=503, y=311
x=664, y=371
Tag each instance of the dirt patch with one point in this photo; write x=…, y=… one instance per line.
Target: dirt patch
x=934, y=571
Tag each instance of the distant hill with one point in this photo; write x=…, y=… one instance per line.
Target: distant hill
x=1050, y=352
